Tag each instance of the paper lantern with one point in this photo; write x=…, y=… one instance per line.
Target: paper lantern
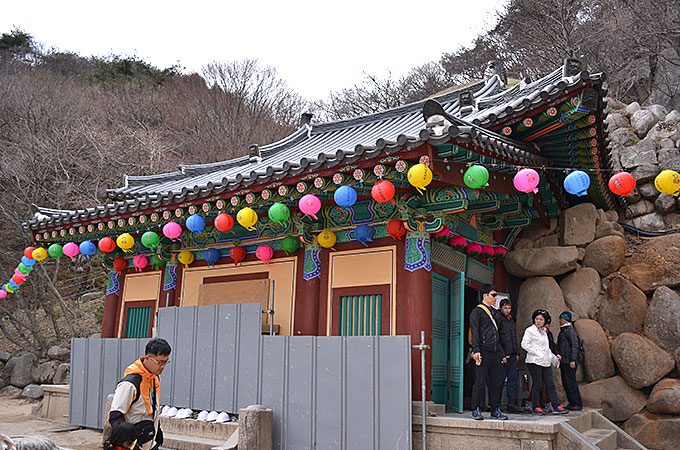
x=396, y=229
x=488, y=251
x=87, y=248
x=71, y=250
x=290, y=244
x=310, y=205
x=224, y=222
x=420, y=176
x=150, y=240
x=383, y=191
x=18, y=280
x=345, y=196
x=668, y=182
x=39, y=254
x=327, y=239
x=195, y=223
x=106, y=245
x=172, y=230
x=526, y=180
x=364, y=234
x=186, y=258
x=476, y=177
x=55, y=251
x=120, y=264
x=442, y=235
x=3, y=293
x=29, y=262
x=577, y=183
x=264, y=253
x=278, y=213
x=473, y=249
x=28, y=252
x=238, y=254
x=247, y=218
x=18, y=273
x=140, y=262
x=125, y=241
x=157, y=262
x=500, y=252
x=458, y=242
x=622, y=183
x=12, y=284
x=211, y=256
x=23, y=269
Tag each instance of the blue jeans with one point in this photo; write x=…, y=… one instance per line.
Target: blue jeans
x=511, y=375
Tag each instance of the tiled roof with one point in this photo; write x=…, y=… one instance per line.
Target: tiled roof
x=317, y=145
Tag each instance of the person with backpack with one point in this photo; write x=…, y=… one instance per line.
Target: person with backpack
x=569, y=346
x=137, y=395
x=487, y=353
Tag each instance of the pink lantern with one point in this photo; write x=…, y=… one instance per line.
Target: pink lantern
x=488, y=251
x=500, y=252
x=140, y=262
x=526, y=181
x=71, y=250
x=172, y=230
x=310, y=205
x=458, y=242
x=264, y=253
x=18, y=273
x=442, y=235
x=3, y=293
x=473, y=249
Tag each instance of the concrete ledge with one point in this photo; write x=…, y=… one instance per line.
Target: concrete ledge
x=196, y=428
x=179, y=442
x=432, y=408
x=55, y=403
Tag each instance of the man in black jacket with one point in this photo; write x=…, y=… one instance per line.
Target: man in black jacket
x=568, y=347
x=511, y=350
x=488, y=354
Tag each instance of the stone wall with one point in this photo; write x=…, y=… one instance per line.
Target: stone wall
x=23, y=375
x=620, y=289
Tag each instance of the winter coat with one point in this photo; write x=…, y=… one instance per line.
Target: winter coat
x=567, y=344
x=508, y=332
x=535, y=342
x=483, y=333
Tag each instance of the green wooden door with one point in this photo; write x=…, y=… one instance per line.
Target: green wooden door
x=137, y=323
x=456, y=336
x=440, y=313
x=361, y=315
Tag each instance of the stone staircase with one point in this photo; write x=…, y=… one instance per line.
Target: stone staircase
x=593, y=431
x=189, y=434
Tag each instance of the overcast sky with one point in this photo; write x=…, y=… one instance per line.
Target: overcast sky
x=316, y=47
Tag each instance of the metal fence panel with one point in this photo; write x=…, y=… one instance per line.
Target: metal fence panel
x=274, y=381
x=330, y=389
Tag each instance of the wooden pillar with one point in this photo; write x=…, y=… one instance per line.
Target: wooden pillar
x=111, y=304
x=414, y=307
x=307, y=286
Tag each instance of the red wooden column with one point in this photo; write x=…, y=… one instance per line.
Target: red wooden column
x=307, y=285
x=111, y=305
x=414, y=313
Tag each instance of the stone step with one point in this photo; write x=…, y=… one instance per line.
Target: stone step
x=178, y=442
x=601, y=438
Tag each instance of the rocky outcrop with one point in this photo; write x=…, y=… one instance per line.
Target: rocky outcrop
x=581, y=291
x=617, y=400
x=662, y=322
x=44, y=372
x=642, y=363
x=623, y=308
x=32, y=391
x=665, y=397
x=654, y=263
x=577, y=224
x=538, y=293
x=654, y=430
x=605, y=254
x=535, y=262
x=22, y=372
x=598, y=363
x=58, y=353
x=63, y=374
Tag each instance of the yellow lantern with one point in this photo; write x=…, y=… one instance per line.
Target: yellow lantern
x=186, y=258
x=247, y=218
x=668, y=182
x=39, y=254
x=125, y=241
x=327, y=239
x=419, y=176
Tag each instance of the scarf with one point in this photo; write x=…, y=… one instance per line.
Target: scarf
x=148, y=380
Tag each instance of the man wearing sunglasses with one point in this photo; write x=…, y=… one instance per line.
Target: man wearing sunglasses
x=138, y=393
x=488, y=354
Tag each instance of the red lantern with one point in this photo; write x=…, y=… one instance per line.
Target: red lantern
x=28, y=252
x=238, y=254
x=473, y=249
x=488, y=251
x=224, y=222
x=383, y=191
x=458, y=242
x=120, y=264
x=18, y=280
x=500, y=252
x=622, y=183
x=396, y=229
x=107, y=245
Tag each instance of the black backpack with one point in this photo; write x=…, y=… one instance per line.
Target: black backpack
x=136, y=380
x=581, y=351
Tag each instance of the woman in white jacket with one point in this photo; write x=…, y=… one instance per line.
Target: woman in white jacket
x=539, y=359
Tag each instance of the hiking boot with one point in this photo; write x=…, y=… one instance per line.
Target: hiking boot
x=529, y=408
x=477, y=414
x=560, y=410
x=538, y=411
x=548, y=408
x=574, y=408
x=514, y=409
x=498, y=415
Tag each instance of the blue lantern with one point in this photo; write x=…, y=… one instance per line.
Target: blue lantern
x=28, y=262
x=4, y=287
x=345, y=196
x=195, y=223
x=364, y=234
x=577, y=183
x=13, y=285
x=87, y=248
x=211, y=256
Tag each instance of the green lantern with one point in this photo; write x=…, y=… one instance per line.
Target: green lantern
x=476, y=177
x=289, y=244
x=279, y=213
x=150, y=240
x=55, y=251
x=156, y=261
x=23, y=269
